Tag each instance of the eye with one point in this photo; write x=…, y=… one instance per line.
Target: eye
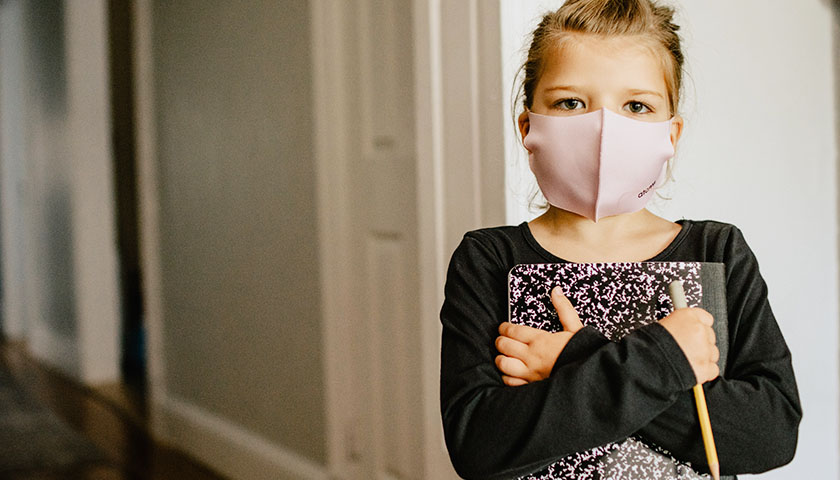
x=637, y=107
x=569, y=104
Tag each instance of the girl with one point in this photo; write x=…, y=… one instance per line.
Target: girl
x=521, y=402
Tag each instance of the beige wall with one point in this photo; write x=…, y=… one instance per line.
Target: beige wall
x=238, y=241
x=12, y=152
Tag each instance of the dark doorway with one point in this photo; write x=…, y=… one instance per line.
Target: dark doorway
x=120, y=23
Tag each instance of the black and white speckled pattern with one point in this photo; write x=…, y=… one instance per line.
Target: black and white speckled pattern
x=615, y=298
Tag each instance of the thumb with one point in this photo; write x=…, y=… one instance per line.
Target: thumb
x=565, y=311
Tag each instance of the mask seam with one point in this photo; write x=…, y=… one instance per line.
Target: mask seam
x=600, y=163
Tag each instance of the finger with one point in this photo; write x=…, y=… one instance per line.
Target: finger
x=565, y=311
x=710, y=334
x=513, y=381
x=512, y=366
x=705, y=317
x=523, y=333
x=511, y=348
x=715, y=355
x=709, y=372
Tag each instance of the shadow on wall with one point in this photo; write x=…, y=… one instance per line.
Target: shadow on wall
x=60, y=298
x=47, y=64
x=46, y=49
x=834, y=5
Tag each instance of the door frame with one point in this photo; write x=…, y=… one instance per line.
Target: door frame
x=460, y=164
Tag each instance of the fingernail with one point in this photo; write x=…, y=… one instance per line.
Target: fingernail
x=558, y=291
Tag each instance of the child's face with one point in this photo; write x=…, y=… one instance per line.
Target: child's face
x=588, y=73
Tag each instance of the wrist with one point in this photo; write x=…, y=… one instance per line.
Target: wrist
x=582, y=344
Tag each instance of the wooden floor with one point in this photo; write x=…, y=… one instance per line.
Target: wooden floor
x=112, y=417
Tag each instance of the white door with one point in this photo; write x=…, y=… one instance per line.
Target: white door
x=409, y=144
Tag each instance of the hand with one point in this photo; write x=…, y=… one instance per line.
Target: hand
x=528, y=354
x=692, y=329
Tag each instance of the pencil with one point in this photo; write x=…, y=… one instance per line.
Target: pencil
x=675, y=289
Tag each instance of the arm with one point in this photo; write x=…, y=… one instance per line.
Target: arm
x=754, y=408
x=495, y=431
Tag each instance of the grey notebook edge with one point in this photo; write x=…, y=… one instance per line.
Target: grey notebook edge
x=713, y=281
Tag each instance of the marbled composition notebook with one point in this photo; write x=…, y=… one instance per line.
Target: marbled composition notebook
x=617, y=298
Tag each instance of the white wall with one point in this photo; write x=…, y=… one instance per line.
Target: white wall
x=760, y=151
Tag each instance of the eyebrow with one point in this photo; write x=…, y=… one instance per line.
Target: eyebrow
x=646, y=92
x=563, y=87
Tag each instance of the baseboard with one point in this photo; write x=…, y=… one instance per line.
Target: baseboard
x=228, y=448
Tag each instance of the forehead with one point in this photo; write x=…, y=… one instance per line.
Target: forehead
x=626, y=62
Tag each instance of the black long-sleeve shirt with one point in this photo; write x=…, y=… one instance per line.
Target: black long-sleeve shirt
x=601, y=391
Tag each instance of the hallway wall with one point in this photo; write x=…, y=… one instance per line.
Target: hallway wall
x=241, y=319
x=12, y=151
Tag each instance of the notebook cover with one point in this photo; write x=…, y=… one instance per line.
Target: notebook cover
x=617, y=298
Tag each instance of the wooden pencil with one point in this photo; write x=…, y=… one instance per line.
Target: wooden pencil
x=675, y=289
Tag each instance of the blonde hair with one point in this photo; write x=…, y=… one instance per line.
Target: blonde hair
x=642, y=18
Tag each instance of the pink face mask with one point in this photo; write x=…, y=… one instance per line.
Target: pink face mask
x=600, y=163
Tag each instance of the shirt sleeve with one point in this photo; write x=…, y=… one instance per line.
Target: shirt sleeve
x=754, y=407
x=598, y=392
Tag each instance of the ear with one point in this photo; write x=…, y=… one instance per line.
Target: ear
x=676, y=129
x=524, y=125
